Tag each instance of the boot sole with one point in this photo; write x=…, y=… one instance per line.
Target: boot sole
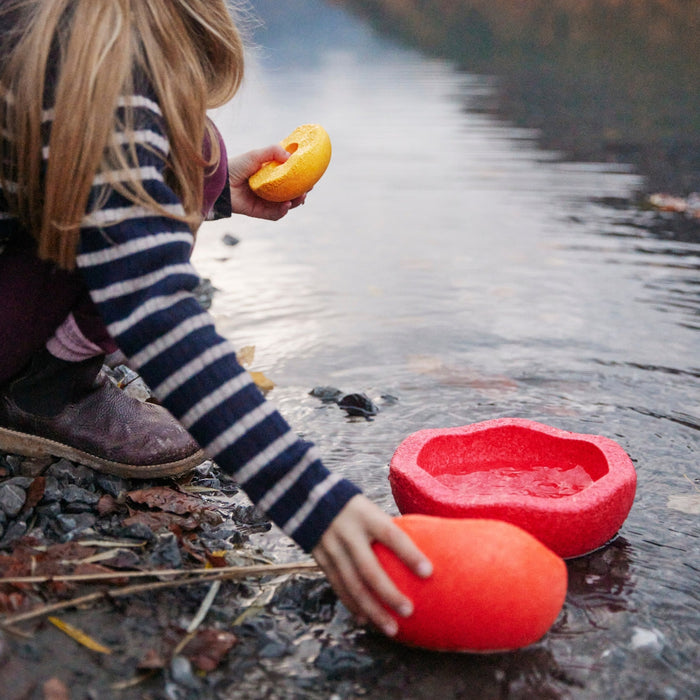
x=34, y=446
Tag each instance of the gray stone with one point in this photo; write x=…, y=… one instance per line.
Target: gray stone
x=113, y=485
x=73, y=494
x=52, y=490
x=12, y=499
x=73, y=523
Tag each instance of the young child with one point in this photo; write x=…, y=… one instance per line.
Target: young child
x=108, y=167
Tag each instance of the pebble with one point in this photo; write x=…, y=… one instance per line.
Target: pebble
x=73, y=524
x=12, y=499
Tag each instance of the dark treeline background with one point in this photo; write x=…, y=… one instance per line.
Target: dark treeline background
x=603, y=80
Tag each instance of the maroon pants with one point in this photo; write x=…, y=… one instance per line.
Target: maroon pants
x=36, y=298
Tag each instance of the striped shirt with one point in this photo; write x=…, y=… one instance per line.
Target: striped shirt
x=136, y=266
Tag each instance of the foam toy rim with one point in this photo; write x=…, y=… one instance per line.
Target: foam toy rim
x=571, y=525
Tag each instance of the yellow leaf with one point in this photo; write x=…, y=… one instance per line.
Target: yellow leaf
x=262, y=382
x=79, y=636
x=246, y=355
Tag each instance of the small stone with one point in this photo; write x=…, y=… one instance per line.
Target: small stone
x=137, y=531
x=24, y=482
x=111, y=484
x=230, y=239
x=123, y=559
x=35, y=466
x=339, y=663
x=73, y=523
x=167, y=552
x=49, y=510
x=66, y=471
x=73, y=495
x=358, y=405
x=327, y=394
x=52, y=490
x=12, y=499
x=14, y=462
x=14, y=531
x=181, y=670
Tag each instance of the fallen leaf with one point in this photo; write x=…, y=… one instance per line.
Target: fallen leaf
x=78, y=636
x=151, y=660
x=209, y=647
x=262, y=382
x=55, y=689
x=35, y=493
x=685, y=503
x=246, y=355
x=159, y=521
x=168, y=499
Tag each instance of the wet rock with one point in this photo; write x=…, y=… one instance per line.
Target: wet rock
x=12, y=499
x=327, y=394
x=358, y=405
x=338, y=663
x=204, y=293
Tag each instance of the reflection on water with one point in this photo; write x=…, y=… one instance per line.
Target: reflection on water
x=603, y=81
x=448, y=260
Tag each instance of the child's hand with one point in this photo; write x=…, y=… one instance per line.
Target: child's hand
x=243, y=199
x=346, y=556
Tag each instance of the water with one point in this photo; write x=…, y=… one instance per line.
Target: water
x=538, y=480
x=447, y=260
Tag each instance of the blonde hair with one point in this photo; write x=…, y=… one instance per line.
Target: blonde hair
x=191, y=52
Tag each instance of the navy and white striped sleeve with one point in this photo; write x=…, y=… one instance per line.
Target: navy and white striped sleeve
x=136, y=264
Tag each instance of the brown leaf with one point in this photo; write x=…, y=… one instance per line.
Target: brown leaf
x=160, y=521
x=35, y=493
x=108, y=505
x=167, y=499
x=55, y=689
x=209, y=647
x=11, y=602
x=152, y=660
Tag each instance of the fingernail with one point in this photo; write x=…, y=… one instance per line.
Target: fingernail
x=405, y=610
x=425, y=568
x=391, y=628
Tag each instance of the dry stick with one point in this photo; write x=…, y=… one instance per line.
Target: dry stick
x=252, y=570
x=233, y=573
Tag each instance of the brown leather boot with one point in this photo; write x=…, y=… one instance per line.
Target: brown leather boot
x=72, y=410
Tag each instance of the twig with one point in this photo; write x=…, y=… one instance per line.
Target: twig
x=232, y=573
x=204, y=607
x=253, y=570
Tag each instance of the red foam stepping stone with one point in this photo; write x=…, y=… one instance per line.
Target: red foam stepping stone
x=571, y=491
x=494, y=587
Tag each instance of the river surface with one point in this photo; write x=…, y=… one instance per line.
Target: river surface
x=455, y=272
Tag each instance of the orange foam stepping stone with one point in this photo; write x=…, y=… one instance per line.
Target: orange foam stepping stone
x=571, y=491
x=310, y=149
x=494, y=587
